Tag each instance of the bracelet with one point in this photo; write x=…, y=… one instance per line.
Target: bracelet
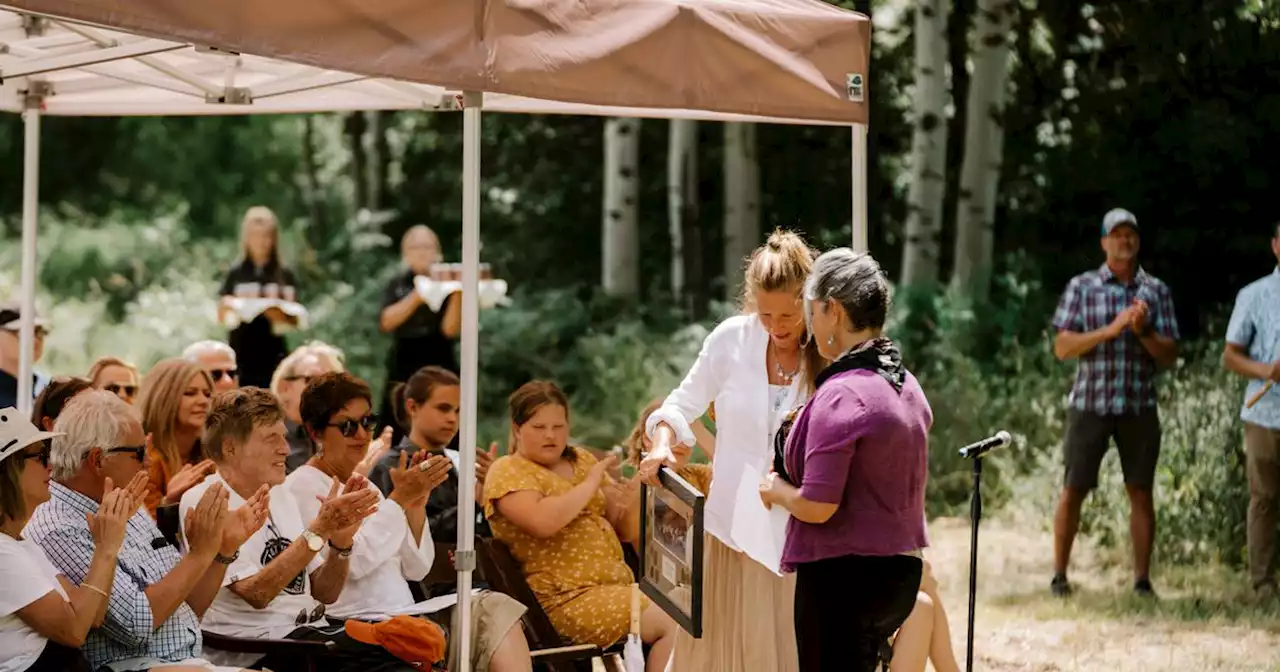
x=342, y=552
x=96, y=589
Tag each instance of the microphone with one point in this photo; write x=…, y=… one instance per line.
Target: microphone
x=980, y=448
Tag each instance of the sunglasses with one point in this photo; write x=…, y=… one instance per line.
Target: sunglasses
x=116, y=388
x=350, y=427
x=41, y=455
x=305, y=618
x=139, y=452
x=218, y=374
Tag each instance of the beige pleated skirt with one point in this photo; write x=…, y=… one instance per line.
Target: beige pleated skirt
x=748, y=620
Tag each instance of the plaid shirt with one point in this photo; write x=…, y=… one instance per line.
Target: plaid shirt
x=60, y=528
x=1117, y=376
x=1255, y=326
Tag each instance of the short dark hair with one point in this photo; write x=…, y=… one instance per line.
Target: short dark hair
x=54, y=398
x=325, y=396
x=234, y=413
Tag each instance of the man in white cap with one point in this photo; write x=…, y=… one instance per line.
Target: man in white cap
x=1118, y=322
x=10, y=321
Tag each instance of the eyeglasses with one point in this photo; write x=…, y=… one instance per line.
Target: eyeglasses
x=218, y=374
x=306, y=380
x=41, y=332
x=139, y=452
x=116, y=388
x=41, y=455
x=350, y=427
x=305, y=618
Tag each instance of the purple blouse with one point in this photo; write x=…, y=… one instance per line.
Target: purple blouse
x=860, y=444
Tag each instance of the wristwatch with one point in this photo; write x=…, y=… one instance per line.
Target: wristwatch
x=342, y=552
x=314, y=541
x=225, y=560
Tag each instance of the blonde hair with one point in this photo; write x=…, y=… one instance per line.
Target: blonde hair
x=330, y=355
x=634, y=444
x=783, y=264
x=159, y=401
x=102, y=363
x=261, y=215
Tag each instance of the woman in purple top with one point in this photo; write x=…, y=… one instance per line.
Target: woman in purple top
x=855, y=463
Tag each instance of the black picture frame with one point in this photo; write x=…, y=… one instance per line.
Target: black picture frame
x=673, y=582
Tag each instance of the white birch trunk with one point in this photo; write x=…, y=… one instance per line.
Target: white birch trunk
x=928, y=146
x=620, y=263
x=681, y=171
x=983, y=146
x=741, y=202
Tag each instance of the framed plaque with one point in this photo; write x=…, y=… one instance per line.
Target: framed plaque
x=671, y=548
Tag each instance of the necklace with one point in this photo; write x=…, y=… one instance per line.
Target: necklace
x=777, y=363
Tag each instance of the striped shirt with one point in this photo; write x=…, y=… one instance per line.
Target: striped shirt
x=60, y=528
x=1117, y=376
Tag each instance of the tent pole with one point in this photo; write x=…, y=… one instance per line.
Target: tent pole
x=30, y=211
x=860, y=238
x=465, y=555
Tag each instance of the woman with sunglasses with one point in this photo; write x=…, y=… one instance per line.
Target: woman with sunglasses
x=44, y=618
x=394, y=545
x=115, y=376
x=174, y=403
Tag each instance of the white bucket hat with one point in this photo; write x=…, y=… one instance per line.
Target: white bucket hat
x=17, y=432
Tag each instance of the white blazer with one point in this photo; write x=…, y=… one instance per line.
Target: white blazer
x=730, y=370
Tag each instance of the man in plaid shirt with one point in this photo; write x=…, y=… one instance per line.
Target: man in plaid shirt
x=1118, y=321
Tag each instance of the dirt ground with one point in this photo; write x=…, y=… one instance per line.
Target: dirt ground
x=1204, y=620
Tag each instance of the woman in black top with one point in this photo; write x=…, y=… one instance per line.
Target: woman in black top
x=422, y=337
x=259, y=274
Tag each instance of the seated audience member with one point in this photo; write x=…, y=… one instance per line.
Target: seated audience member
x=279, y=585
x=157, y=594
x=548, y=502
x=174, y=404
x=54, y=398
x=218, y=360
x=44, y=617
x=10, y=343
x=115, y=376
x=426, y=407
x=288, y=381
x=395, y=544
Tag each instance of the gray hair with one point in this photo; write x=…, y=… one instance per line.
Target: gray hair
x=196, y=350
x=328, y=355
x=855, y=281
x=92, y=419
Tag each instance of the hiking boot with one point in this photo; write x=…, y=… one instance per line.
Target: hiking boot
x=1059, y=586
x=1142, y=588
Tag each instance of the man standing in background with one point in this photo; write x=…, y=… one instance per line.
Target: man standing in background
x=1118, y=322
x=1253, y=351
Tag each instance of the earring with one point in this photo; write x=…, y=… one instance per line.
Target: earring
x=831, y=340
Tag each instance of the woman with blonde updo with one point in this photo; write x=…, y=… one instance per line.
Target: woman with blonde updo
x=756, y=367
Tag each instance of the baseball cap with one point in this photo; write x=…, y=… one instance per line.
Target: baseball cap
x=11, y=316
x=416, y=641
x=1116, y=217
x=17, y=432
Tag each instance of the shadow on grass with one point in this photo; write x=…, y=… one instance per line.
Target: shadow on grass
x=1212, y=594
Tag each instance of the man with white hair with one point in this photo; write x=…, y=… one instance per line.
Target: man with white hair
x=158, y=595
x=218, y=359
x=289, y=380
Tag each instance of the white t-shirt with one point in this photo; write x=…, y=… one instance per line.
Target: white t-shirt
x=384, y=554
x=229, y=614
x=28, y=576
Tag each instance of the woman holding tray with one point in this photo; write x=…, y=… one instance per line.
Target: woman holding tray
x=755, y=367
x=259, y=275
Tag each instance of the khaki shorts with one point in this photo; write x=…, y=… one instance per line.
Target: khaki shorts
x=492, y=617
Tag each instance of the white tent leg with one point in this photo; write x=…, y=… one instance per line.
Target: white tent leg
x=860, y=189
x=465, y=555
x=30, y=210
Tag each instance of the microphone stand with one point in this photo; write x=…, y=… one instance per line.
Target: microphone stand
x=975, y=516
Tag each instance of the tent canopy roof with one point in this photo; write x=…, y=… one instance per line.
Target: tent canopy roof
x=762, y=60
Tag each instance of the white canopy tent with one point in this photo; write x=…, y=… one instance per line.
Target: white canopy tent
x=56, y=66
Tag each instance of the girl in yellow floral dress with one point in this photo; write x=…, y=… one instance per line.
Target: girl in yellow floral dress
x=556, y=508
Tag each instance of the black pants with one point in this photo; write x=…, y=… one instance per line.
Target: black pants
x=348, y=655
x=848, y=607
x=59, y=658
